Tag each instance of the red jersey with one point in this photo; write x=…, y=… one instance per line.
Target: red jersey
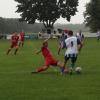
x=14, y=39
x=22, y=34
x=46, y=53
x=49, y=60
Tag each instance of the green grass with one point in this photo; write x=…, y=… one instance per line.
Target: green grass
x=17, y=83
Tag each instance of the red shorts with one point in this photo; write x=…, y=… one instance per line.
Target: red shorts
x=14, y=45
x=50, y=61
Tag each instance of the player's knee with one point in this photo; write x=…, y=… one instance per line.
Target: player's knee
x=10, y=48
x=17, y=47
x=45, y=67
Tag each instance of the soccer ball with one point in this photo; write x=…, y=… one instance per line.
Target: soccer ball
x=78, y=70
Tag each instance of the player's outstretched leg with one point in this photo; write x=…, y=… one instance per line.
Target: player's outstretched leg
x=40, y=69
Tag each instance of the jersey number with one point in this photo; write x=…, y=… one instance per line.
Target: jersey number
x=72, y=43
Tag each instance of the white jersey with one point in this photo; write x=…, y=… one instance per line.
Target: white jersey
x=80, y=36
x=98, y=33
x=72, y=45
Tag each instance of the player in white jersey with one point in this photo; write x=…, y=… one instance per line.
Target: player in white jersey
x=73, y=45
x=98, y=34
x=80, y=36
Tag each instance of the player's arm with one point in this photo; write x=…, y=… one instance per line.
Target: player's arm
x=59, y=49
x=46, y=40
x=37, y=52
x=62, y=46
x=11, y=40
x=19, y=37
x=80, y=47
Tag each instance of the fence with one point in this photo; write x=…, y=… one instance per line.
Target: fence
x=43, y=36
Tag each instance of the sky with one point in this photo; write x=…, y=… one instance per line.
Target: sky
x=8, y=8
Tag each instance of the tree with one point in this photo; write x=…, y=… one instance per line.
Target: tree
x=46, y=11
x=92, y=15
x=2, y=25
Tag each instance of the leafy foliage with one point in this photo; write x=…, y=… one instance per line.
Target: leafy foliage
x=92, y=15
x=46, y=11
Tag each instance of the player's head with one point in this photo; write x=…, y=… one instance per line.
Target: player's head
x=70, y=33
x=45, y=44
x=14, y=33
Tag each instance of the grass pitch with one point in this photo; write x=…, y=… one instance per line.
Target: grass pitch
x=17, y=83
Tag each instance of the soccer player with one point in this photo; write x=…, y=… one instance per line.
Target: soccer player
x=14, y=43
x=73, y=45
x=98, y=34
x=49, y=59
x=62, y=44
x=21, y=39
x=80, y=36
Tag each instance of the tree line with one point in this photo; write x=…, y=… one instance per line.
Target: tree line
x=74, y=27
x=92, y=15
x=10, y=25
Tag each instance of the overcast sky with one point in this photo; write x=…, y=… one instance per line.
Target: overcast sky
x=8, y=8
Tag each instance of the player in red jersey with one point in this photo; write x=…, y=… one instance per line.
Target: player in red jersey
x=49, y=59
x=21, y=38
x=14, y=43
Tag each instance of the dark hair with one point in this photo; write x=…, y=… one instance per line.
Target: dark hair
x=45, y=43
x=70, y=33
